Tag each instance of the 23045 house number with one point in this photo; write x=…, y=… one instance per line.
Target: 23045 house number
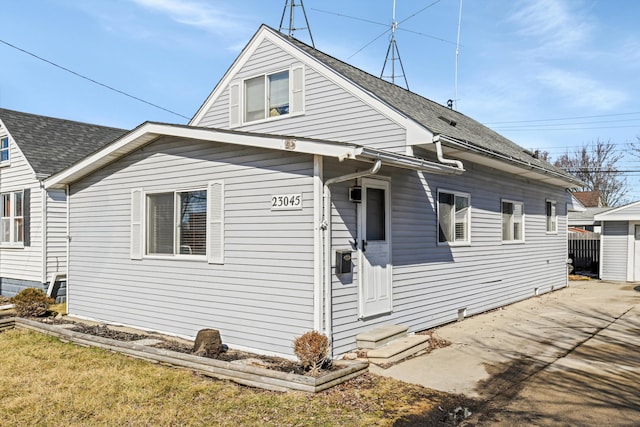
x=286, y=202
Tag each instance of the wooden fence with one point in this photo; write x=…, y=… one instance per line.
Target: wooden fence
x=584, y=249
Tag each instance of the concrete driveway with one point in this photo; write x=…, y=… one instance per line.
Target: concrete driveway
x=570, y=357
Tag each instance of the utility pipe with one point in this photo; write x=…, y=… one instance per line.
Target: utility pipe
x=326, y=227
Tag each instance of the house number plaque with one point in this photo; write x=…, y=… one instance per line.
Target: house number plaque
x=283, y=202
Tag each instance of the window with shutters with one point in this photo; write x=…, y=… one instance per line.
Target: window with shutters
x=12, y=220
x=454, y=218
x=512, y=221
x=177, y=223
x=266, y=96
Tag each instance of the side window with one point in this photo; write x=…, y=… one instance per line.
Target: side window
x=4, y=149
x=454, y=217
x=12, y=219
x=177, y=223
x=552, y=218
x=266, y=96
x=512, y=221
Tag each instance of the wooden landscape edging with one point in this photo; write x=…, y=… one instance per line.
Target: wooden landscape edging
x=243, y=374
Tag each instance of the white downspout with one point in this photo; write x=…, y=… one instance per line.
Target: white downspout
x=326, y=259
x=440, y=154
x=43, y=228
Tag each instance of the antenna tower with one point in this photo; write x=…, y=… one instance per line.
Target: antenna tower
x=455, y=97
x=291, y=5
x=393, y=54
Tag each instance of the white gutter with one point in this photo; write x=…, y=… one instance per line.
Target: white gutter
x=440, y=154
x=509, y=159
x=326, y=259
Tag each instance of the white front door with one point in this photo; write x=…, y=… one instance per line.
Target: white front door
x=374, y=246
x=636, y=253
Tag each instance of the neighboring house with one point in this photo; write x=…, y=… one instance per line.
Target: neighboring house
x=585, y=219
x=33, y=223
x=620, y=243
x=333, y=200
x=589, y=199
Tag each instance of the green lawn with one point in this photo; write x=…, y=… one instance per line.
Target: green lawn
x=45, y=382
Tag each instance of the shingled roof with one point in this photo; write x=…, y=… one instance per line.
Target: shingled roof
x=51, y=144
x=438, y=119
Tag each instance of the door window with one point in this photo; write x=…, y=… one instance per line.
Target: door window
x=375, y=214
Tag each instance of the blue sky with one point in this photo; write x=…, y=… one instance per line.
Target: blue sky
x=548, y=74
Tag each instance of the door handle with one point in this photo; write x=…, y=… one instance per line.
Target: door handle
x=364, y=246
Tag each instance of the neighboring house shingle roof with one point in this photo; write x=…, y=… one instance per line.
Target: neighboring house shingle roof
x=585, y=217
x=589, y=199
x=50, y=144
x=435, y=117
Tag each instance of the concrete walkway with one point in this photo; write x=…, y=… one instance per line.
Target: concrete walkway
x=571, y=357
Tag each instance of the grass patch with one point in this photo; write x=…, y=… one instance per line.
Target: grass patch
x=46, y=382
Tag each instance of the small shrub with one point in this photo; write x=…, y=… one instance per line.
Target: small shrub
x=31, y=302
x=312, y=350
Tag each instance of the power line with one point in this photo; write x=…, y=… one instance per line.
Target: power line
x=527, y=129
x=92, y=80
x=564, y=118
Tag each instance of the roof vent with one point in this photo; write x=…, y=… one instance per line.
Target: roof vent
x=449, y=121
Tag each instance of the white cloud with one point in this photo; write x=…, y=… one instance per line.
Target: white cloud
x=581, y=91
x=553, y=26
x=195, y=14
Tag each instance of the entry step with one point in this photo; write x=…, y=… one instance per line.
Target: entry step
x=398, y=349
x=380, y=336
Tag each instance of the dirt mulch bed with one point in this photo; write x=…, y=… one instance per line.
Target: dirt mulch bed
x=268, y=362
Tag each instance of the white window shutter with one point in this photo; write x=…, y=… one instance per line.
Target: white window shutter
x=215, y=222
x=136, y=224
x=234, y=105
x=297, y=90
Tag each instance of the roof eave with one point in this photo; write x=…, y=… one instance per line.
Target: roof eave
x=508, y=164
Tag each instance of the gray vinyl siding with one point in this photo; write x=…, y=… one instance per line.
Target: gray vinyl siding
x=331, y=113
x=615, y=247
x=56, y=228
x=24, y=263
x=261, y=298
x=430, y=282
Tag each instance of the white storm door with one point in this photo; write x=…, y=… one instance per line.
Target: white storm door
x=636, y=253
x=375, y=249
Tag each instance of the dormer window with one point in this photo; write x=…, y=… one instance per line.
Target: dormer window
x=4, y=149
x=266, y=96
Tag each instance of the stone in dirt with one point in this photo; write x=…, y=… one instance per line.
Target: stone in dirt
x=208, y=343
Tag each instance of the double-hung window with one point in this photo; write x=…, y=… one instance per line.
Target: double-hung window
x=512, y=221
x=4, y=149
x=177, y=223
x=187, y=224
x=454, y=217
x=552, y=218
x=266, y=96
x=12, y=220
